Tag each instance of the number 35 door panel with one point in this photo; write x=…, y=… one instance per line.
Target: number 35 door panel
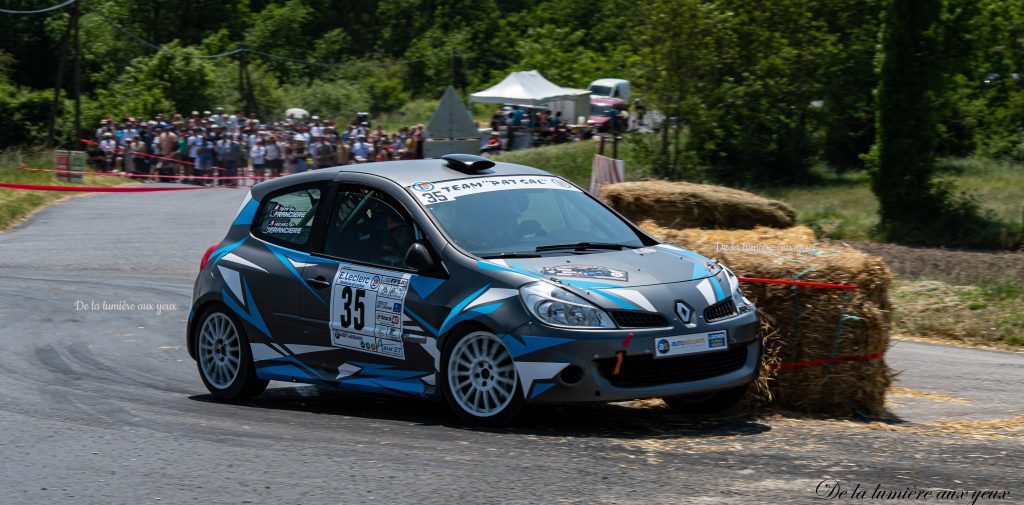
x=360, y=316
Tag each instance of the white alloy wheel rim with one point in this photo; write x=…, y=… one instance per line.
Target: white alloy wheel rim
x=481, y=374
x=220, y=351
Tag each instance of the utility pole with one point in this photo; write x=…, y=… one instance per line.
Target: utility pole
x=455, y=68
x=245, y=93
x=75, y=15
x=241, y=80
x=58, y=83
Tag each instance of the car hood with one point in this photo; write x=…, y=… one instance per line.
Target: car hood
x=647, y=279
x=660, y=264
x=599, y=119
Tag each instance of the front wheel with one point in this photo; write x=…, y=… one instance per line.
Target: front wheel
x=479, y=379
x=707, y=403
x=224, y=359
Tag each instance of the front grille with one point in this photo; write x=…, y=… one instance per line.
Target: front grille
x=637, y=319
x=643, y=370
x=721, y=310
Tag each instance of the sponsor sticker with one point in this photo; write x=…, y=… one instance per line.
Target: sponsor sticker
x=586, y=272
x=440, y=192
x=366, y=310
x=689, y=344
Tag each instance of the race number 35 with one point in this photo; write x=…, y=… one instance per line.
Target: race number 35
x=352, y=302
x=435, y=197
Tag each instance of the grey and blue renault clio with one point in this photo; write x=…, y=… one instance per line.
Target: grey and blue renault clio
x=488, y=285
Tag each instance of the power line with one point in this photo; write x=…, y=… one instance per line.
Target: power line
x=238, y=50
x=164, y=49
x=40, y=11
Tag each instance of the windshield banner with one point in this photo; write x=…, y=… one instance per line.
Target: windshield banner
x=439, y=192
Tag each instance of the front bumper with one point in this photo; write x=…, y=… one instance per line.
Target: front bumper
x=588, y=371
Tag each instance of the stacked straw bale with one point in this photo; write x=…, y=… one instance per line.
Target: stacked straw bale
x=678, y=205
x=806, y=324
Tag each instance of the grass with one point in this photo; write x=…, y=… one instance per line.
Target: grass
x=572, y=160
x=998, y=185
x=976, y=314
x=842, y=206
x=838, y=206
x=16, y=204
x=420, y=110
x=411, y=114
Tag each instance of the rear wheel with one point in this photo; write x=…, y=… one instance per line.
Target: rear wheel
x=479, y=379
x=224, y=358
x=707, y=403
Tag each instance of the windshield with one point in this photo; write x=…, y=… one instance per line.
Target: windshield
x=600, y=90
x=601, y=110
x=491, y=216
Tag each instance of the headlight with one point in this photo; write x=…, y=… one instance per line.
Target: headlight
x=737, y=295
x=556, y=306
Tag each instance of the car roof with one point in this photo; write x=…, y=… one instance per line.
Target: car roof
x=404, y=173
x=608, y=81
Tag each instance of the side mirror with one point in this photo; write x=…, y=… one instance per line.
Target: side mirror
x=418, y=258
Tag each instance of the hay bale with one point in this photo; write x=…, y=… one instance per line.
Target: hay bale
x=711, y=241
x=807, y=324
x=680, y=205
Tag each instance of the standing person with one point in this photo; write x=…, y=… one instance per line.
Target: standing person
x=232, y=159
x=181, y=154
x=323, y=152
x=417, y=135
x=516, y=116
x=296, y=156
x=556, y=120
x=361, y=150
x=204, y=161
x=258, y=155
x=383, y=153
x=342, y=152
x=274, y=156
x=234, y=122
x=195, y=142
x=130, y=149
x=107, y=145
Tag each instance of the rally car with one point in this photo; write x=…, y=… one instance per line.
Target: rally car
x=485, y=285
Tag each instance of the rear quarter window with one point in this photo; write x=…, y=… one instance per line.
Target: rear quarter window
x=288, y=217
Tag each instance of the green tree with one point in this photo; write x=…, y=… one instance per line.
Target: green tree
x=848, y=79
x=913, y=88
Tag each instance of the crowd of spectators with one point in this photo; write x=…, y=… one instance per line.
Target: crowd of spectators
x=194, y=148
x=220, y=147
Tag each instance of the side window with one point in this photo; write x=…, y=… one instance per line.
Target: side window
x=367, y=226
x=287, y=218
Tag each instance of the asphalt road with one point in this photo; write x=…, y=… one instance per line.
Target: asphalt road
x=105, y=406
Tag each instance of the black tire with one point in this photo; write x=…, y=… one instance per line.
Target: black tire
x=707, y=403
x=508, y=408
x=244, y=384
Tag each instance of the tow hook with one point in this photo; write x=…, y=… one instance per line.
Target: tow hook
x=619, y=355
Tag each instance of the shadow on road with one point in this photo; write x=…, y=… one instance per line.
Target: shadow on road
x=600, y=420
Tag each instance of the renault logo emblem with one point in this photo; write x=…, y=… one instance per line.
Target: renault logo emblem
x=683, y=312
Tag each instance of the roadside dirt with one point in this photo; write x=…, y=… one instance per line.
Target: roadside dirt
x=951, y=266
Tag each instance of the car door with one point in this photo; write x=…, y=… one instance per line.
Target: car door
x=264, y=273
x=369, y=308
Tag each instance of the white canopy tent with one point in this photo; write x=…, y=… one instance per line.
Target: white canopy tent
x=524, y=88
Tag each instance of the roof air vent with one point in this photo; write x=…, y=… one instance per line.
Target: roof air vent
x=467, y=163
